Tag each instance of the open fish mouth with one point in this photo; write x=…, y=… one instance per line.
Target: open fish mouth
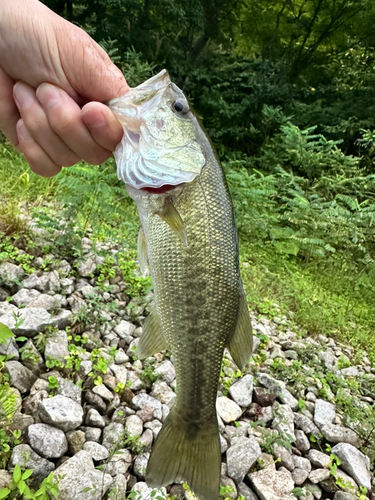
x=159, y=146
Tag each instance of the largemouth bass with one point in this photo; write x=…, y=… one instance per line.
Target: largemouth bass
x=188, y=237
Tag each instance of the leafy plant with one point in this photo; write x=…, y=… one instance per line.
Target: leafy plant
x=19, y=489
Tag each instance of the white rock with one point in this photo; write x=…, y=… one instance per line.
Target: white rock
x=324, y=412
x=227, y=409
x=61, y=412
x=79, y=473
x=270, y=484
x=98, y=452
x=242, y=391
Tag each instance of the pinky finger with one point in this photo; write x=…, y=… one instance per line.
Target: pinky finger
x=39, y=161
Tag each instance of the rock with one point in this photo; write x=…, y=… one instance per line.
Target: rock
x=319, y=475
x=5, y=308
x=342, y=495
x=163, y=393
x=299, y=476
x=25, y=456
x=142, y=400
x=76, y=440
x=306, y=425
x=35, y=321
x=136, y=383
x=118, y=488
x=10, y=349
x=242, y=391
x=68, y=389
x=112, y=435
x=134, y=425
x=93, y=418
x=278, y=387
x=302, y=463
x=47, y=441
x=31, y=358
x=339, y=434
x=318, y=459
x=284, y=456
x=227, y=481
x=145, y=493
x=241, y=456
x=102, y=391
x=121, y=373
x=5, y=479
x=329, y=359
x=263, y=397
x=24, y=297
x=246, y=492
x=119, y=462
x=140, y=465
x=227, y=409
x=10, y=273
x=351, y=371
x=284, y=421
x=32, y=282
x=63, y=319
x=146, y=439
x=272, y=485
x=57, y=347
x=121, y=357
x=324, y=412
x=79, y=473
x=98, y=452
x=96, y=401
x=354, y=463
x=124, y=329
x=93, y=434
x=20, y=377
x=167, y=371
x=87, y=267
x=45, y=301
x=88, y=291
x=61, y=412
x=302, y=441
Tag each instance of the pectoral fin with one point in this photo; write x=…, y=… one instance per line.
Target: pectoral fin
x=142, y=251
x=152, y=340
x=241, y=344
x=170, y=215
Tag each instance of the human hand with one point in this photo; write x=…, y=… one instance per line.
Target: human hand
x=48, y=69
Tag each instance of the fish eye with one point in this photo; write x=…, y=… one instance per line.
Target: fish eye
x=181, y=107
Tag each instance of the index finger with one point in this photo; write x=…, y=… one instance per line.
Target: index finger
x=9, y=114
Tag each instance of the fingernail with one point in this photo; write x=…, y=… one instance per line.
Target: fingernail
x=92, y=120
x=23, y=94
x=48, y=95
x=22, y=132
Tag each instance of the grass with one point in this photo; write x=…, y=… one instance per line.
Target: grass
x=320, y=296
x=327, y=296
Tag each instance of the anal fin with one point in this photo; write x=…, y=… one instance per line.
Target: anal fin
x=241, y=344
x=170, y=215
x=152, y=340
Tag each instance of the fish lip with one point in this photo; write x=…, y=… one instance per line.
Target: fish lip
x=147, y=90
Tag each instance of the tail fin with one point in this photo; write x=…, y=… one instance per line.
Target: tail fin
x=180, y=454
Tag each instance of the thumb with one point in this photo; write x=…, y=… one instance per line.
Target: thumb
x=90, y=71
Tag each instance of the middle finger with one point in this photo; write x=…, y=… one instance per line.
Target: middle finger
x=36, y=122
x=64, y=117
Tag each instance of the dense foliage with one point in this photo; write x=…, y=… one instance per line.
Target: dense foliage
x=286, y=90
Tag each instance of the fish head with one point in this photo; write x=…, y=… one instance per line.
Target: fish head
x=162, y=137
